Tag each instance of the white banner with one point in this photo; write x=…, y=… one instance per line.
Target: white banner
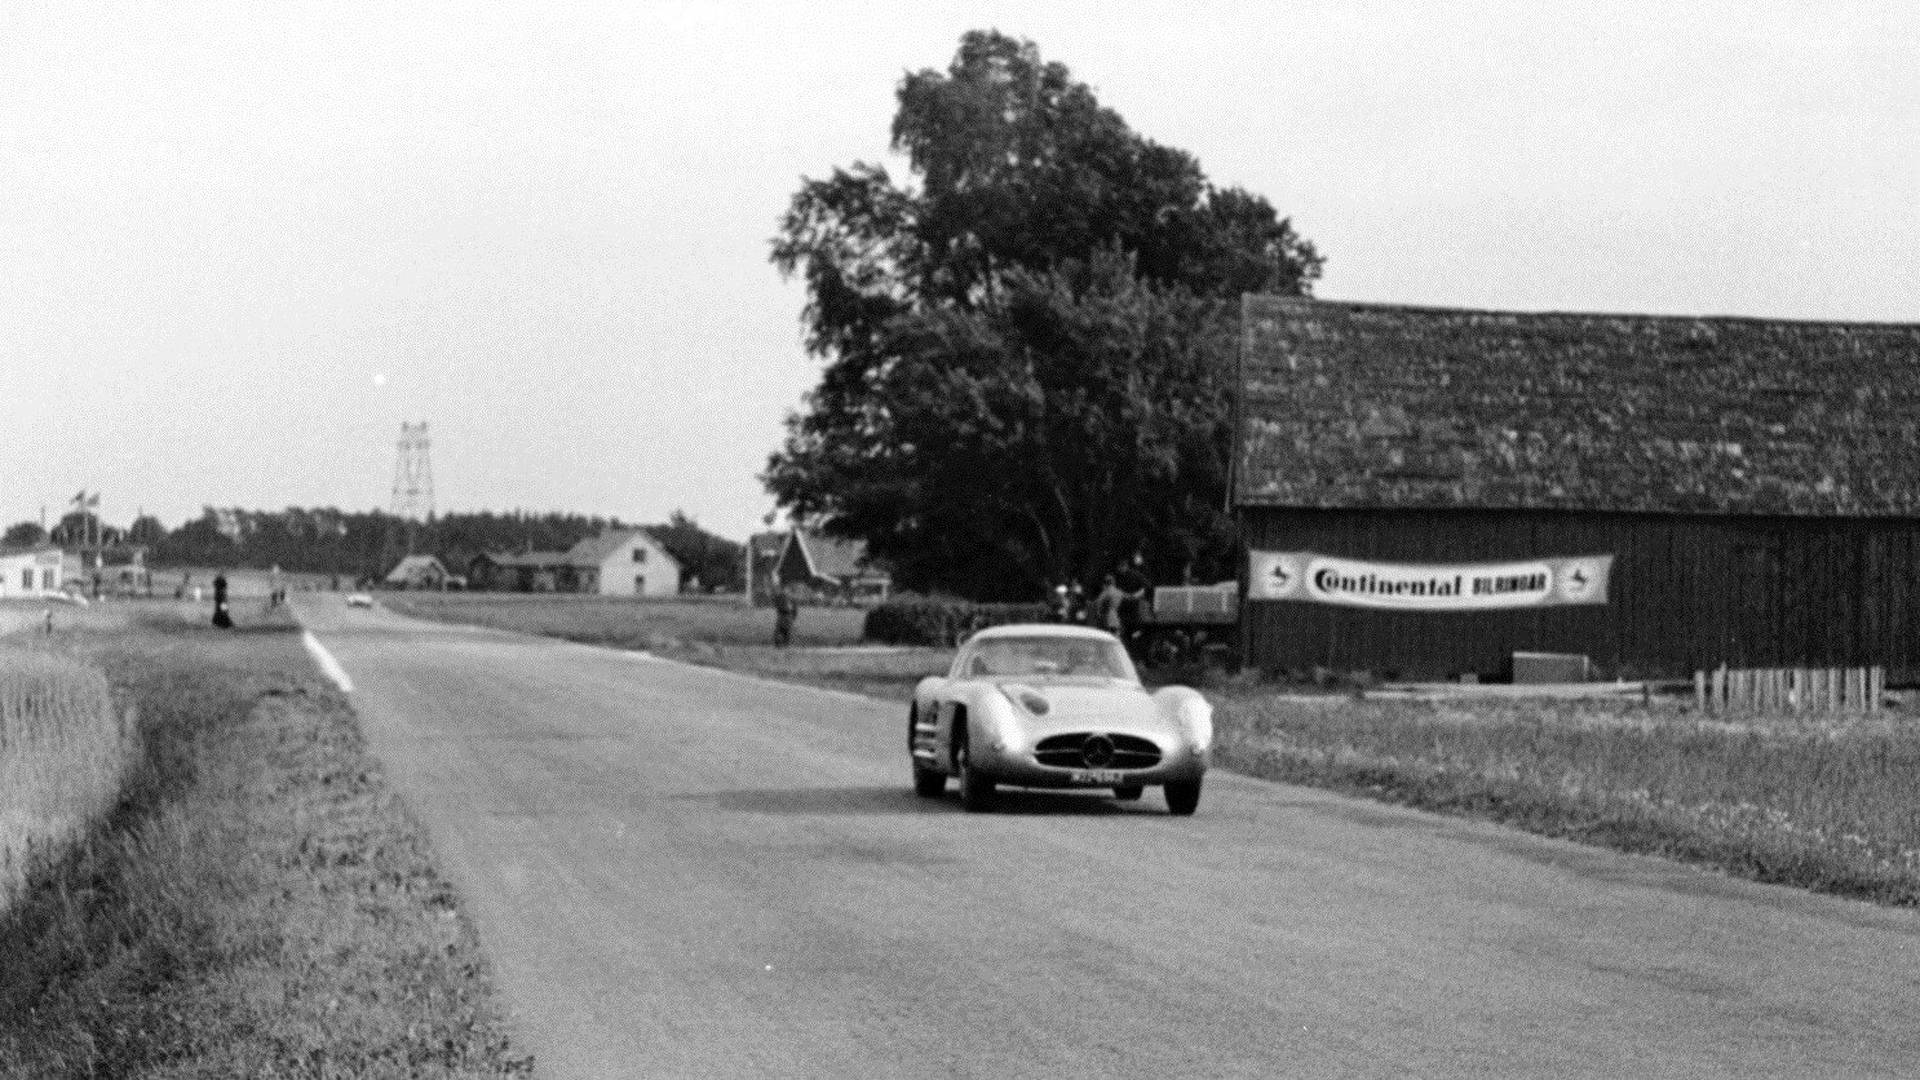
x=1327, y=579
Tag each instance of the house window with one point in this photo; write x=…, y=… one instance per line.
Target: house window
x=639, y=554
x=640, y=584
x=26, y=579
x=46, y=578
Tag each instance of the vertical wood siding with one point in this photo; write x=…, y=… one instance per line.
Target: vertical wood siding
x=1687, y=592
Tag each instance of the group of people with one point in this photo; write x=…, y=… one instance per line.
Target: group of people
x=1117, y=608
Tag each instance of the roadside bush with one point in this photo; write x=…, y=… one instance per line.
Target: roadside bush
x=940, y=621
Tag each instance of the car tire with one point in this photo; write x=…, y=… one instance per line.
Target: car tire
x=1183, y=797
x=1128, y=792
x=928, y=783
x=976, y=788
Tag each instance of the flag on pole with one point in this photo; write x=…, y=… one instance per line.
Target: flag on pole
x=93, y=499
x=80, y=499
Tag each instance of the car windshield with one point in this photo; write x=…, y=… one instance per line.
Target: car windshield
x=1032, y=657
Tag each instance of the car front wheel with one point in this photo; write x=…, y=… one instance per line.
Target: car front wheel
x=928, y=783
x=976, y=788
x=1183, y=797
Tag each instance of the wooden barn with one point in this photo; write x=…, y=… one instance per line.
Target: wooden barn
x=1427, y=493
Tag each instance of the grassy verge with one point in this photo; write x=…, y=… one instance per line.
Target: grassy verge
x=1825, y=804
x=630, y=623
x=258, y=904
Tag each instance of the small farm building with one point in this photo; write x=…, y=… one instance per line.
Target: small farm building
x=623, y=562
x=530, y=571
x=829, y=567
x=31, y=571
x=417, y=572
x=617, y=562
x=1432, y=493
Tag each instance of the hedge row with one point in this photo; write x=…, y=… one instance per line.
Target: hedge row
x=941, y=622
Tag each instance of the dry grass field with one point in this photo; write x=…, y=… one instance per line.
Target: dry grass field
x=257, y=903
x=64, y=747
x=1828, y=804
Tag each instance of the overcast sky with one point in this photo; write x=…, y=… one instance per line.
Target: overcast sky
x=240, y=243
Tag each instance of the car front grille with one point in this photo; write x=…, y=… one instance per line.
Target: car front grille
x=1096, y=750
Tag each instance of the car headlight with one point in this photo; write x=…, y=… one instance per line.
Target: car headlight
x=1197, y=717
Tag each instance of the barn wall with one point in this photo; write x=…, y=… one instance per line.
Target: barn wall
x=1687, y=591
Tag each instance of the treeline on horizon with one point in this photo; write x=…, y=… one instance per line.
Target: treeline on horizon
x=367, y=544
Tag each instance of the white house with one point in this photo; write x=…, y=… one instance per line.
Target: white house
x=623, y=562
x=30, y=572
x=418, y=572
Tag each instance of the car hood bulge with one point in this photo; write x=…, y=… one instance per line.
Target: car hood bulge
x=1073, y=707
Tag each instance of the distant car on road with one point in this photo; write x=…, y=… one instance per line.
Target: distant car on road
x=359, y=599
x=1054, y=706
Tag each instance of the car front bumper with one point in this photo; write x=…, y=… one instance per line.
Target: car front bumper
x=1017, y=767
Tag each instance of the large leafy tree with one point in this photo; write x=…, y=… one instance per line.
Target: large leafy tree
x=1026, y=356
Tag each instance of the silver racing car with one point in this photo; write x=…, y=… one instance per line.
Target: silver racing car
x=1055, y=706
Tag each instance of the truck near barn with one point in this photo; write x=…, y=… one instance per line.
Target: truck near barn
x=1441, y=493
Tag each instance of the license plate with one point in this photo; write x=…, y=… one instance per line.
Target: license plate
x=1099, y=776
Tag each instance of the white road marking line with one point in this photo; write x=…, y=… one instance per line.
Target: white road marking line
x=328, y=665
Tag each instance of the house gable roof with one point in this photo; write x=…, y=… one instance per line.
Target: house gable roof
x=832, y=557
x=1376, y=406
x=415, y=564
x=596, y=550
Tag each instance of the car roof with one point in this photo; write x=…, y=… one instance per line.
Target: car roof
x=1031, y=630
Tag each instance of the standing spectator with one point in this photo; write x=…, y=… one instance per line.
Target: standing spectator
x=786, y=609
x=1106, y=607
x=220, y=617
x=1133, y=598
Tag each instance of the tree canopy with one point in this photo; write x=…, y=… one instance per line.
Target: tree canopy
x=1027, y=368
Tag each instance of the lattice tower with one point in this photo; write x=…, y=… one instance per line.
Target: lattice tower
x=413, y=474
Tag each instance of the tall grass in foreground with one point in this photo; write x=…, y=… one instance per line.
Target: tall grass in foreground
x=258, y=902
x=63, y=751
x=1829, y=804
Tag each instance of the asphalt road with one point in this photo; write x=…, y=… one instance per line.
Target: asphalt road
x=680, y=872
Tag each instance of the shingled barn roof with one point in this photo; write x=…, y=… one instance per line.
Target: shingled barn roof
x=1375, y=406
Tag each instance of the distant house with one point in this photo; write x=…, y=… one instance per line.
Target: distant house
x=618, y=562
x=417, y=572
x=830, y=567
x=30, y=571
x=623, y=562
x=529, y=571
